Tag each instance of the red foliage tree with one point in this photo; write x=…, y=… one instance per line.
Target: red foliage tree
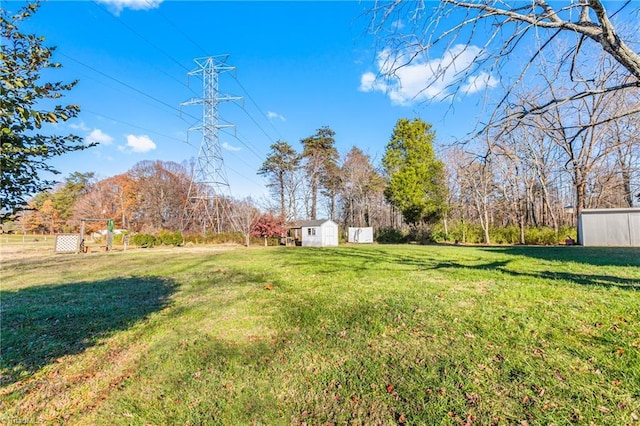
x=267, y=226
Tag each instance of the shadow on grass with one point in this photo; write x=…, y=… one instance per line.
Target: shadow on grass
x=597, y=256
x=41, y=324
x=577, y=278
x=366, y=259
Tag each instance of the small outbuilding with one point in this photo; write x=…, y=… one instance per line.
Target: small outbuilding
x=316, y=233
x=361, y=235
x=610, y=227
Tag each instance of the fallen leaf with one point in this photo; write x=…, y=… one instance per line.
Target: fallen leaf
x=620, y=351
x=390, y=388
x=268, y=287
x=472, y=398
x=634, y=417
x=603, y=409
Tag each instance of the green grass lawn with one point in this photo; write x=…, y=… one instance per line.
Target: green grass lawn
x=363, y=335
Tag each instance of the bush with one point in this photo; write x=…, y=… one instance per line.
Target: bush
x=391, y=236
x=119, y=238
x=505, y=235
x=143, y=240
x=225, y=238
x=420, y=235
x=540, y=236
x=168, y=238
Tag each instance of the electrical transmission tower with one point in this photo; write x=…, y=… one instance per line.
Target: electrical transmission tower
x=209, y=194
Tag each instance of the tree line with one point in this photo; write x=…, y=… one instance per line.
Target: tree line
x=525, y=179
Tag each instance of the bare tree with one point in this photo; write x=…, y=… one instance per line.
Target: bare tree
x=161, y=189
x=361, y=182
x=481, y=42
x=625, y=135
x=476, y=187
x=245, y=215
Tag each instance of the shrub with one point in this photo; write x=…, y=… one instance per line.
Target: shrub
x=169, y=238
x=540, y=236
x=391, y=236
x=119, y=238
x=437, y=233
x=420, y=235
x=505, y=235
x=143, y=240
x=226, y=238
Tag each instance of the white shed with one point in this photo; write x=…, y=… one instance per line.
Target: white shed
x=361, y=235
x=317, y=233
x=610, y=227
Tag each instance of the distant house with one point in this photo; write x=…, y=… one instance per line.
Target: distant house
x=610, y=227
x=316, y=233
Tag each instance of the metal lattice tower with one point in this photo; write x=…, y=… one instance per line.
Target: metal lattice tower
x=209, y=192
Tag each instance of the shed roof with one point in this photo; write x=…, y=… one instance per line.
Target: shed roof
x=612, y=210
x=308, y=223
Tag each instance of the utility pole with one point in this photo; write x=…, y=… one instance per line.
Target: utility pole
x=209, y=194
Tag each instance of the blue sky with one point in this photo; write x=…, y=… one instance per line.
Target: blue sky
x=299, y=66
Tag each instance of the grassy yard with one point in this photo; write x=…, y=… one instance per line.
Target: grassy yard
x=363, y=335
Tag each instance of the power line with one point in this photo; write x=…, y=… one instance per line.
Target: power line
x=136, y=126
x=244, y=143
x=121, y=22
x=128, y=86
x=185, y=35
x=259, y=109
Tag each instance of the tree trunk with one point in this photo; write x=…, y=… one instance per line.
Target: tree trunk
x=314, y=200
x=446, y=228
x=283, y=211
x=485, y=227
x=626, y=186
x=521, y=226
x=580, y=189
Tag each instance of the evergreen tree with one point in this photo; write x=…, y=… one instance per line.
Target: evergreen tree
x=321, y=158
x=416, y=180
x=279, y=165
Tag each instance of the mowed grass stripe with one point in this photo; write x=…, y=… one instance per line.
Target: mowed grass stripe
x=369, y=334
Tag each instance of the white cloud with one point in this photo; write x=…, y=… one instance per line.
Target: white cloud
x=479, y=82
x=99, y=136
x=140, y=143
x=79, y=126
x=410, y=80
x=230, y=147
x=117, y=6
x=271, y=115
